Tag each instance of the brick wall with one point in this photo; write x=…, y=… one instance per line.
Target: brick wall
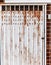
x=48, y=35
x=1, y=0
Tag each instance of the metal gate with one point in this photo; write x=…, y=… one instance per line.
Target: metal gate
x=22, y=33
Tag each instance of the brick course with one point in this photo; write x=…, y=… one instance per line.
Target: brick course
x=48, y=51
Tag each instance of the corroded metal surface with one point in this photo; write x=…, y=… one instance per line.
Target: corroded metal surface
x=21, y=37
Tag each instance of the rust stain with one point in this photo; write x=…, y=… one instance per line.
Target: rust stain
x=28, y=40
x=24, y=17
x=15, y=56
x=37, y=14
x=38, y=27
x=2, y=16
x=32, y=15
x=6, y=54
x=15, y=46
x=20, y=39
x=21, y=52
x=34, y=22
x=34, y=34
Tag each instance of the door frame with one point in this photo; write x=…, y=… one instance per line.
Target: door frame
x=45, y=30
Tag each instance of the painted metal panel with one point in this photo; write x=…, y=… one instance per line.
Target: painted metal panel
x=22, y=33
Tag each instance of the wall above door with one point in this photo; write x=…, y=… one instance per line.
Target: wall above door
x=29, y=1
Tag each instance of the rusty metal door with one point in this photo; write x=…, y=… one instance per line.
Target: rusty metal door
x=22, y=33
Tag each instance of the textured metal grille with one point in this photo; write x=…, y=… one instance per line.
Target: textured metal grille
x=22, y=33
